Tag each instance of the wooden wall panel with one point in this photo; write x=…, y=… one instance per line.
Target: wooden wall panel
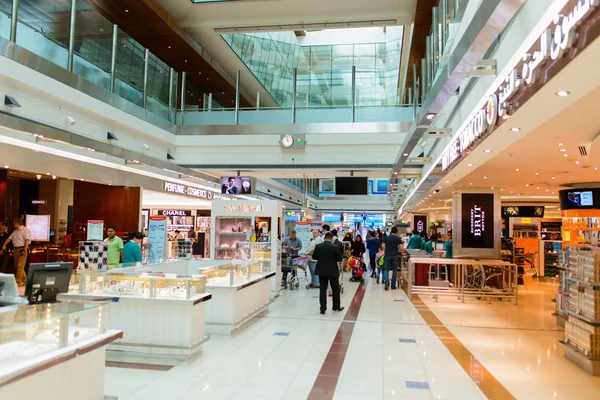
x=115, y=205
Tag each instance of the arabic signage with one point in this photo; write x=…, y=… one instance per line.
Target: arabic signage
x=538, y=66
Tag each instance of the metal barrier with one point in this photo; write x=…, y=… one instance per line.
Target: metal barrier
x=468, y=278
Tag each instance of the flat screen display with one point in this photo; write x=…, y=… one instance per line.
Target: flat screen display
x=349, y=186
x=236, y=185
x=580, y=199
x=477, y=215
x=420, y=223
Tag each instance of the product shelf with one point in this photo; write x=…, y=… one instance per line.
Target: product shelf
x=584, y=283
x=585, y=319
x=573, y=228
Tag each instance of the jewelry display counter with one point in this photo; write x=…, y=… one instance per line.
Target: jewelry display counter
x=60, y=345
x=159, y=313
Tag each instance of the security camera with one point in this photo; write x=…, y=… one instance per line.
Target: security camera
x=146, y=147
x=70, y=120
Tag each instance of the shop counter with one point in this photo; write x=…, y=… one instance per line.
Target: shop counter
x=159, y=313
x=53, y=351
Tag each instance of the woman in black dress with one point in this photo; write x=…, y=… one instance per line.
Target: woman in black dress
x=358, y=250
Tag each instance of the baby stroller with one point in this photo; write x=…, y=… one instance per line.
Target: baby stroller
x=356, y=267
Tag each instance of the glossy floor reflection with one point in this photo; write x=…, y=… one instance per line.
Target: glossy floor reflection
x=381, y=347
x=517, y=345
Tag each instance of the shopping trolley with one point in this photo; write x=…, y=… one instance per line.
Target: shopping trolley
x=299, y=264
x=341, y=269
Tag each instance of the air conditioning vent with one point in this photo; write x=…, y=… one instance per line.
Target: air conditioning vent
x=583, y=151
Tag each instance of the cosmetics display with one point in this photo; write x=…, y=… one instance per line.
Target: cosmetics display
x=230, y=231
x=132, y=282
x=184, y=249
x=93, y=256
x=32, y=331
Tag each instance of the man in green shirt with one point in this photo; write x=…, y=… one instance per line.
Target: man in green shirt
x=115, y=248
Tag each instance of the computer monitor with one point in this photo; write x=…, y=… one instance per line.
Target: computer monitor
x=440, y=246
x=8, y=286
x=46, y=280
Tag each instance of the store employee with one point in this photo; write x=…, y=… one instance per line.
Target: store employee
x=132, y=252
x=115, y=248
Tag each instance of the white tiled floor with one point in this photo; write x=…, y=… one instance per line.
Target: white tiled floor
x=516, y=344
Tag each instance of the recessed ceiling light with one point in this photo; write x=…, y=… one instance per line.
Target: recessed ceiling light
x=515, y=129
x=527, y=185
x=563, y=150
x=470, y=183
x=469, y=165
x=517, y=169
x=405, y=154
x=538, y=188
x=485, y=177
x=562, y=93
x=511, y=192
x=566, y=155
x=126, y=10
x=576, y=162
x=596, y=168
x=537, y=173
x=429, y=116
x=488, y=151
x=553, y=178
x=560, y=144
x=6, y=166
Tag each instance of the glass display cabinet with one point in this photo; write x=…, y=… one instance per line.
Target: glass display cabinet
x=31, y=331
x=230, y=231
x=255, y=252
x=233, y=274
x=136, y=283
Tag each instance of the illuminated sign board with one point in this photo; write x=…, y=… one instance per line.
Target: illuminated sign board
x=477, y=215
x=191, y=191
x=243, y=208
x=552, y=45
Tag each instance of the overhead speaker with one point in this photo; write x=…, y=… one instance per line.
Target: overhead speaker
x=11, y=101
x=111, y=136
x=170, y=157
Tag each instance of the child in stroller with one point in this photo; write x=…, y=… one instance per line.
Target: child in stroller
x=356, y=266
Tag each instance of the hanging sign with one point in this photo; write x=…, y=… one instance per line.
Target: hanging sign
x=157, y=237
x=552, y=45
x=95, y=230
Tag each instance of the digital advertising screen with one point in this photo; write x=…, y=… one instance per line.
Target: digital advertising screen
x=420, y=223
x=236, y=185
x=581, y=199
x=477, y=215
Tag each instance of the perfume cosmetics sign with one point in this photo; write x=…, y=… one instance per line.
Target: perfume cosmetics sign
x=477, y=220
x=191, y=191
x=552, y=45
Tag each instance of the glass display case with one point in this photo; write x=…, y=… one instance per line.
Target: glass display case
x=255, y=252
x=31, y=331
x=136, y=283
x=233, y=274
x=228, y=232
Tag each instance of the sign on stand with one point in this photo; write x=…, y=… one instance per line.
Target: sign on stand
x=303, y=233
x=157, y=237
x=95, y=230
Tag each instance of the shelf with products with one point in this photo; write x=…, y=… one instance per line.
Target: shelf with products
x=550, y=251
x=47, y=338
x=229, y=231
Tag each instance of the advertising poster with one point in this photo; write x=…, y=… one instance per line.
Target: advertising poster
x=420, y=224
x=477, y=216
x=379, y=186
x=95, y=230
x=303, y=233
x=326, y=187
x=236, y=185
x=39, y=225
x=157, y=237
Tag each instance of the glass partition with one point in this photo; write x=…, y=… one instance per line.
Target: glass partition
x=158, y=87
x=129, y=82
x=5, y=14
x=43, y=28
x=93, y=45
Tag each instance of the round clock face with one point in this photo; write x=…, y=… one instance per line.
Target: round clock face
x=287, y=141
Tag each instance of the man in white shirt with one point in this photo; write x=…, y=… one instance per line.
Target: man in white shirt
x=312, y=264
x=21, y=239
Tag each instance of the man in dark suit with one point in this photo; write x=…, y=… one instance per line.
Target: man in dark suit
x=328, y=255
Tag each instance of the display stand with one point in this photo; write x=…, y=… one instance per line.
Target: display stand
x=579, y=292
x=68, y=365
x=231, y=221
x=158, y=313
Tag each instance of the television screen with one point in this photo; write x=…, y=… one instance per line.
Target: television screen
x=581, y=199
x=477, y=215
x=236, y=185
x=352, y=186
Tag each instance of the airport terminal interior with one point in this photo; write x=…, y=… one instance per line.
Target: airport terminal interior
x=299, y=200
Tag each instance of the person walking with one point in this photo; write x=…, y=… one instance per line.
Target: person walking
x=328, y=255
x=291, y=246
x=358, y=250
x=21, y=239
x=393, y=244
x=115, y=248
x=380, y=260
x=312, y=263
x=373, y=244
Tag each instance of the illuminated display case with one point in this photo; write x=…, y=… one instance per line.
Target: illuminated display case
x=133, y=282
x=255, y=252
x=234, y=274
x=229, y=232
